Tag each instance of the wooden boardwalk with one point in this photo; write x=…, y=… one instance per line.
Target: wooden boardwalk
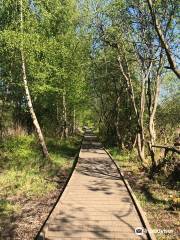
x=95, y=203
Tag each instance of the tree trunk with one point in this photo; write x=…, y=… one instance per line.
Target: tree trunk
x=119, y=137
x=31, y=109
x=153, y=101
x=140, y=145
x=65, y=128
x=134, y=142
x=163, y=41
x=28, y=96
x=74, y=121
x=152, y=134
x=140, y=135
x=58, y=119
x=139, y=116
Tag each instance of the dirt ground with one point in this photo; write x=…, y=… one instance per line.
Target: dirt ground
x=33, y=212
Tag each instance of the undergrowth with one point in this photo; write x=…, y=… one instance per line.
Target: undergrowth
x=155, y=196
x=25, y=173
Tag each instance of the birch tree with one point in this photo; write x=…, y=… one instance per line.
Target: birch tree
x=27, y=92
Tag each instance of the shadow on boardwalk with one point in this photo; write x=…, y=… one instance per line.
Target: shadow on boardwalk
x=96, y=203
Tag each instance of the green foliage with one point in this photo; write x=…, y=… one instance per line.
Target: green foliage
x=56, y=61
x=168, y=114
x=18, y=150
x=25, y=172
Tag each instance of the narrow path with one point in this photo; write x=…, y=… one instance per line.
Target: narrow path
x=95, y=203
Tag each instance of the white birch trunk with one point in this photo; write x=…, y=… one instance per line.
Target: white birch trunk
x=28, y=96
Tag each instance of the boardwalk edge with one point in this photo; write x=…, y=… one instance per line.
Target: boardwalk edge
x=138, y=207
x=41, y=233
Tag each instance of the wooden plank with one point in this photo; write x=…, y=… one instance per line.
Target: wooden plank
x=96, y=203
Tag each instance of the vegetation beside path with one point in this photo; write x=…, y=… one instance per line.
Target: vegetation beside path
x=29, y=183
x=159, y=198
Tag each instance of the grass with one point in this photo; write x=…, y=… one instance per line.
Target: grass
x=125, y=158
x=7, y=208
x=25, y=173
x=159, y=201
x=122, y=156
